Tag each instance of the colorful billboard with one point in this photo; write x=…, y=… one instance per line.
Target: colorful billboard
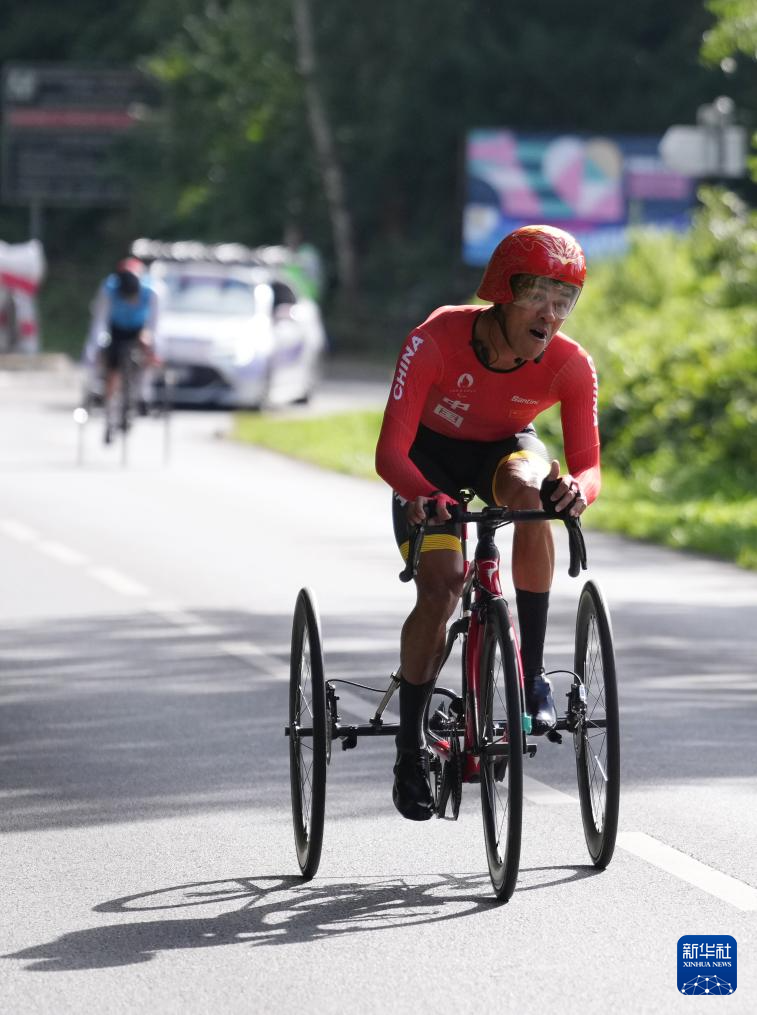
x=593, y=186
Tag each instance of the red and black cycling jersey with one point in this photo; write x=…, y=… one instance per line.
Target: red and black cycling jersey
x=440, y=382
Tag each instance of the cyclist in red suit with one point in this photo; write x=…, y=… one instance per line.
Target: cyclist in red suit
x=469, y=382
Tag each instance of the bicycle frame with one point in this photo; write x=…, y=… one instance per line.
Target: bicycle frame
x=481, y=585
x=124, y=379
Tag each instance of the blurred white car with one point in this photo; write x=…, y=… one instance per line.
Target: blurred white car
x=228, y=333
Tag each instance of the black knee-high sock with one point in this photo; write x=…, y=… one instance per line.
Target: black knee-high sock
x=413, y=699
x=532, y=619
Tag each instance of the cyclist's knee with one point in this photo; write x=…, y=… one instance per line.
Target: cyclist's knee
x=439, y=585
x=518, y=489
x=437, y=604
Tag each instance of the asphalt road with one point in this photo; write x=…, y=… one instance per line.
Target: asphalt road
x=147, y=854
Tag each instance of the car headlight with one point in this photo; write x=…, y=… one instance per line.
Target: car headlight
x=244, y=351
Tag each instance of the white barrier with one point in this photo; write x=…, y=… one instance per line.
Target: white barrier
x=22, y=268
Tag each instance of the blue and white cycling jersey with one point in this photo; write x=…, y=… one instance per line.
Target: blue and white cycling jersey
x=131, y=315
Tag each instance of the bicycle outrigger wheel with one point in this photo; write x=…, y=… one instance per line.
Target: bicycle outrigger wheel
x=597, y=733
x=308, y=733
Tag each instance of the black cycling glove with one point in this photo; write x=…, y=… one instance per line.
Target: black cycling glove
x=548, y=487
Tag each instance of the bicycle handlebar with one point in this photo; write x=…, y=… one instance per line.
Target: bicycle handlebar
x=497, y=517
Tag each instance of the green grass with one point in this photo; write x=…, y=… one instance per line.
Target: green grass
x=345, y=442
x=719, y=527
x=725, y=528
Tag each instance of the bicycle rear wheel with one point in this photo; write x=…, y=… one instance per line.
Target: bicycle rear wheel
x=308, y=739
x=501, y=746
x=597, y=736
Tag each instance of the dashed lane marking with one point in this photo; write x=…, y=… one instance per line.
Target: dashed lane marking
x=541, y=793
x=256, y=657
x=17, y=530
x=193, y=625
x=244, y=651
x=118, y=582
x=59, y=551
x=115, y=580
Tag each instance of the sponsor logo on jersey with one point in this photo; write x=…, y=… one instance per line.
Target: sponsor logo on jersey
x=524, y=401
x=451, y=409
x=464, y=381
x=398, y=386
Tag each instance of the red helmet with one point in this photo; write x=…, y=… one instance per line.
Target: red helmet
x=132, y=264
x=532, y=250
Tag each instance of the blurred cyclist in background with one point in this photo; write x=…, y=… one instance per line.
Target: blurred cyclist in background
x=468, y=385
x=124, y=316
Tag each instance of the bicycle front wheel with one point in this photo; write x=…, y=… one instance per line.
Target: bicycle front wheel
x=501, y=747
x=597, y=736
x=127, y=394
x=308, y=740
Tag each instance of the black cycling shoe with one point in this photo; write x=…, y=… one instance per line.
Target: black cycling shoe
x=411, y=792
x=540, y=703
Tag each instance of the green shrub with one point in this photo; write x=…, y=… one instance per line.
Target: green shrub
x=672, y=327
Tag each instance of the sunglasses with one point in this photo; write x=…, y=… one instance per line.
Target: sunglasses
x=534, y=292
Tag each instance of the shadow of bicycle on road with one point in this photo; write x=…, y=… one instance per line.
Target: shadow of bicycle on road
x=276, y=911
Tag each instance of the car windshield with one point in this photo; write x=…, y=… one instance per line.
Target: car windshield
x=208, y=294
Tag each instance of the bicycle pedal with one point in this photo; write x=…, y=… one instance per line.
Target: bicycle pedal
x=554, y=736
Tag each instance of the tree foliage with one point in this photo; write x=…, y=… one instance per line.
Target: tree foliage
x=231, y=156
x=735, y=29
x=673, y=329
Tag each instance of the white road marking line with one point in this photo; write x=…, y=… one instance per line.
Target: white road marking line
x=245, y=651
x=686, y=868
x=17, y=530
x=67, y=555
x=190, y=622
x=257, y=657
x=202, y=630
x=714, y=882
x=163, y=606
x=541, y=793
x=118, y=582
x=345, y=644
x=59, y=551
x=183, y=618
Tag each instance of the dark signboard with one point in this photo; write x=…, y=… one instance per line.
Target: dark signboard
x=62, y=126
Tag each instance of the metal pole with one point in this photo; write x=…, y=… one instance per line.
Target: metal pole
x=80, y=419
x=124, y=446
x=35, y=219
x=168, y=383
